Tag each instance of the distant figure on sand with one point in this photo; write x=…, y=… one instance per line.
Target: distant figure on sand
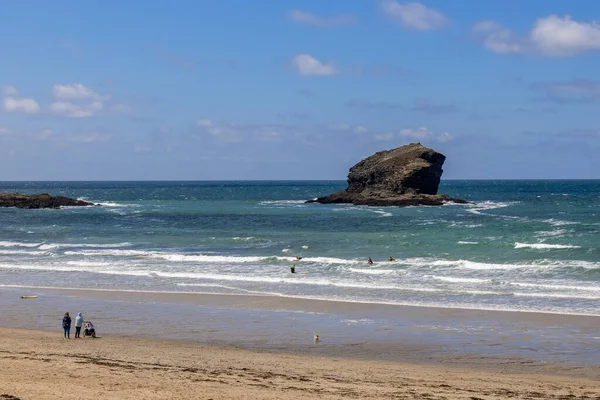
x=369, y=261
x=392, y=259
x=78, y=325
x=293, y=269
x=66, y=324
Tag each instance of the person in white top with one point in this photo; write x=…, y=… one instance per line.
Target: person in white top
x=78, y=325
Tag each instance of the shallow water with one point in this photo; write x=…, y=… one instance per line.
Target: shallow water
x=392, y=333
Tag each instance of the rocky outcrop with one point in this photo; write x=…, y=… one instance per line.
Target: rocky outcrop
x=42, y=200
x=404, y=176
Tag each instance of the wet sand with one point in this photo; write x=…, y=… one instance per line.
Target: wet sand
x=42, y=365
x=174, y=345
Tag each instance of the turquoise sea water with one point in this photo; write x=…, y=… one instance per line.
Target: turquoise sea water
x=522, y=245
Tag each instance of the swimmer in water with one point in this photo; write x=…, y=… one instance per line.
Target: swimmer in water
x=392, y=259
x=298, y=258
x=369, y=261
x=293, y=269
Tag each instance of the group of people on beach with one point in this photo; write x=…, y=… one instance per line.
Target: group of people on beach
x=79, y=323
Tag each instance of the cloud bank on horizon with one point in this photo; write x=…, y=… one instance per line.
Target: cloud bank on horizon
x=297, y=89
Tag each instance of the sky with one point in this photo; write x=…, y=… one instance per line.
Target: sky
x=282, y=89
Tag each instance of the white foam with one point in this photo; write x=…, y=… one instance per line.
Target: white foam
x=558, y=296
x=557, y=287
x=112, y=204
x=477, y=208
x=465, y=242
x=556, y=222
x=460, y=280
x=305, y=247
x=556, y=232
x=544, y=246
x=23, y=252
x=373, y=271
x=18, y=244
x=381, y=212
x=51, y=246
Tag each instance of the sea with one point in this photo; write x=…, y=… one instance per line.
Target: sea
x=519, y=245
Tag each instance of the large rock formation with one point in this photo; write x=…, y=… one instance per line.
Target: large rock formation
x=404, y=176
x=42, y=200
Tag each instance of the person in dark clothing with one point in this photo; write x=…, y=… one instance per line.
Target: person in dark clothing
x=66, y=324
x=293, y=269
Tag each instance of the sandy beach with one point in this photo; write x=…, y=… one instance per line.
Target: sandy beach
x=169, y=345
x=41, y=365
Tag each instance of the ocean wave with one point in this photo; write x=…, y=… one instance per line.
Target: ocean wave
x=465, y=242
x=556, y=222
x=18, y=244
x=112, y=204
x=373, y=271
x=51, y=246
x=544, y=246
x=477, y=208
x=23, y=252
x=558, y=295
x=556, y=287
x=459, y=280
x=556, y=232
x=180, y=257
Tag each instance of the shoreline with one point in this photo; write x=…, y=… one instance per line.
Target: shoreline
x=42, y=365
x=489, y=340
x=291, y=298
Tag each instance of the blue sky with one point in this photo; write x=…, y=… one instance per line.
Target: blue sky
x=268, y=89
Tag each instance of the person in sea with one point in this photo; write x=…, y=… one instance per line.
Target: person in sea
x=66, y=324
x=392, y=259
x=78, y=325
x=298, y=258
x=369, y=261
x=293, y=269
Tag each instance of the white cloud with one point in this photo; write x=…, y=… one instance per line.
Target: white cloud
x=76, y=110
x=414, y=15
x=421, y=133
x=307, y=18
x=564, y=37
x=568, y=92
x=307, y=65
x=343, y=127
x=232, y=132
x=76, y=91
x=10, y=91
x=121, y=108
x=205, y=123
x=418, y=133
x=29, y=106
x=498, y=39
x=91, y=137
x=551, y=36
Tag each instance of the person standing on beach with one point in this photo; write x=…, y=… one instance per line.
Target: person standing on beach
x=66, y=323
x=78, y=325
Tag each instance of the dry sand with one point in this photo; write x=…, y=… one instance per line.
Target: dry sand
x=41, y=365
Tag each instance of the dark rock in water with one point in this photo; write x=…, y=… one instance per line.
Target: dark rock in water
x=404, y=176
x=42, y=200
